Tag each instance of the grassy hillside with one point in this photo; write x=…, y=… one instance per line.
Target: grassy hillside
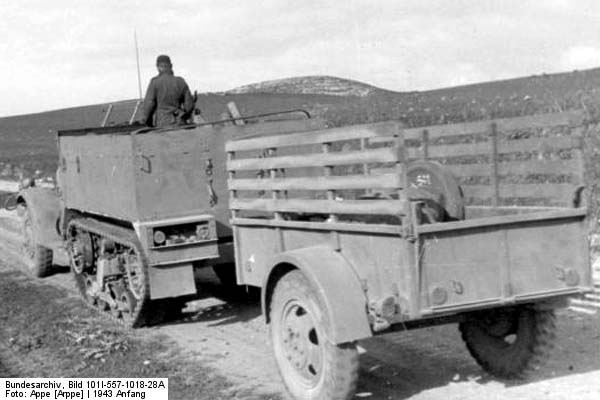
x=329, y=85
x=28, y=141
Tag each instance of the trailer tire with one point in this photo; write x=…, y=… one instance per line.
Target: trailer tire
x=310, y=365
x=37, y=257
x=487, y=338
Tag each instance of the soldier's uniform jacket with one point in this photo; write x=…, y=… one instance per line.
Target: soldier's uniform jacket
x=169, y=98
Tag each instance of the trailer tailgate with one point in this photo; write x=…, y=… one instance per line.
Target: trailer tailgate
x=498, y=260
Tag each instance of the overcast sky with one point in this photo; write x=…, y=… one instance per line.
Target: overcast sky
x=62, y=53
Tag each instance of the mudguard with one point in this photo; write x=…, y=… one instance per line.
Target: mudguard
x=44, y=207
x=337, y=283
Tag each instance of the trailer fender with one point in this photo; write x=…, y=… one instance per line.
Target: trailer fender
x=336, y=281
x=44, y=207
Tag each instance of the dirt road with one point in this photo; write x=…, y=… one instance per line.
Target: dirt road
x=227, y=336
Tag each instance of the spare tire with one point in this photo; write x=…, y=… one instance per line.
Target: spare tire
x=434, y=184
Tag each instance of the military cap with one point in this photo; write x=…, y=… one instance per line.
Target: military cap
x=163, y=59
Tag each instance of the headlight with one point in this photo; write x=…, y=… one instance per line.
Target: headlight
x=159, y=237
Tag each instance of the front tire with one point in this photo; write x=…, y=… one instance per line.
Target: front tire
x=37, y=258
x=310, y=365
x=512, y=342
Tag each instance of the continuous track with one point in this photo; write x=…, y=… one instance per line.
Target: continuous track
x=145, y=311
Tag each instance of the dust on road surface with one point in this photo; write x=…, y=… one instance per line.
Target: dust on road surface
x=226, y=335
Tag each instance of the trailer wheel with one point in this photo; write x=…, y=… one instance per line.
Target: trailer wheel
x=510, y=343
x=310, y=365
x=37, y=258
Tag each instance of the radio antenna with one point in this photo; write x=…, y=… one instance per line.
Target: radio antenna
x=137, y=59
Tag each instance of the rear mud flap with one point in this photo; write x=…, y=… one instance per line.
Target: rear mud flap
x=171, y=280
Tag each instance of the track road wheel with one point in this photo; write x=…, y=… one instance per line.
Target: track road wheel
x=137, y=308
x=311, y=366
x=511, y=342
x=37, y=258
x=126, y=301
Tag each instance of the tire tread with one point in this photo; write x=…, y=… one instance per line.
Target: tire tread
x=520, y=364
x=40, y=265
x=343, y=358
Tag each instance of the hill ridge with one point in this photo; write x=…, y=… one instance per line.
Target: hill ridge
x=311, y=84
x=29, y=140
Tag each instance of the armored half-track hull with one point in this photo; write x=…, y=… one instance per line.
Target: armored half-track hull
x=143, y=176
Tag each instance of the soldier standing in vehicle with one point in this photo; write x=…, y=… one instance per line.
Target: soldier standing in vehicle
x=168, y=99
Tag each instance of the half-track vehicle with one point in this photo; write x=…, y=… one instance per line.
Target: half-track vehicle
x=345, y=232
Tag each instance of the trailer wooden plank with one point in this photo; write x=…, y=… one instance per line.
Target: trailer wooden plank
x=325, y=225
x=503, y=124
x=490, y=211
x=388, y=181
x=511, y=146
x=503, y=220
x=541, y=121
x=529, y=167
x=547, y=167
x=383, y=155
x=540, y=144
x=388, y=128
x=457, y=150
x=556, y=191
x=366, y=207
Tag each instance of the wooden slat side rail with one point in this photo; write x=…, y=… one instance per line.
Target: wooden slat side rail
x=530, y=167
x=329, y=226
x=547, y=144
x=503, y=220
x=488, y=211
x=548, y=167
x=272, y=127
x=382, y=171
x=360, y=207
x=510, y=146
x=503, y=124
x=288, y=194
x=387, y=181
x=541, y=121
x=382, y=155
x=457, y=150
x=388, y=128
x=504, y=147
x=557, y=191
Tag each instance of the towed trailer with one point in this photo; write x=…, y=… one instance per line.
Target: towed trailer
x=349, y=232
x=337, y=264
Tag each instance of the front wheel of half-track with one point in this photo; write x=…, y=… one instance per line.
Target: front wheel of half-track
x=512, y=342
x=37, y=258
x=310, y=365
